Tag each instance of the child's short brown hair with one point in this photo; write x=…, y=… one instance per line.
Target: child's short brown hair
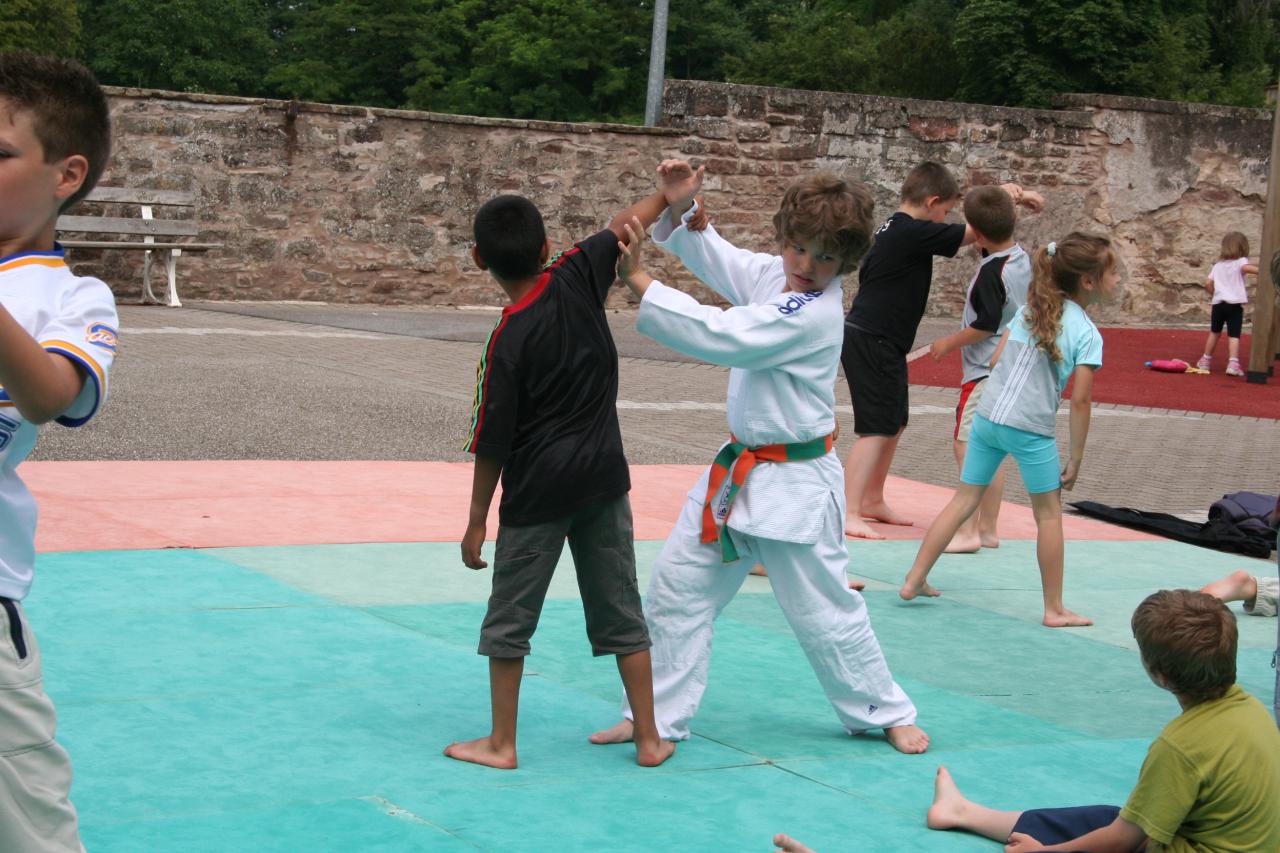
x=1234, y=245
x=1189, y=640
x=990, y=211
x=825, y=207
x=70, y=110
x=927, y=180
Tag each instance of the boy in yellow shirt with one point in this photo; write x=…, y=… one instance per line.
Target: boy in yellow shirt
x=1210, y=781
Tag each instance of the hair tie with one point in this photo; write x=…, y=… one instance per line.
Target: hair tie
x=1052, y=248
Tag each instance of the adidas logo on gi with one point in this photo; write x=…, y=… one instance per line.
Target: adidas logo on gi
x=871, y=709
x=796, y=301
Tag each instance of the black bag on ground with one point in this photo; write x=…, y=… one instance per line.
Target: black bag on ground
x=1250, y=535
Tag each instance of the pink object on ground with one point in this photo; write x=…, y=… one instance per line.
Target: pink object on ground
x=225, y=504
x=1169, y=365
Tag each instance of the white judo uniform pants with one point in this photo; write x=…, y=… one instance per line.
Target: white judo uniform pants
x=691, y=585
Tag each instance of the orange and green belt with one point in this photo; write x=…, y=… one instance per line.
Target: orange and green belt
x=740, y=459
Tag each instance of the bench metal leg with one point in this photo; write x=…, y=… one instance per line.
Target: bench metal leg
x=171, y=262
x=147, y=295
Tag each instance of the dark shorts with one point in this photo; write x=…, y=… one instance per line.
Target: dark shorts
x=876, y=371
x=601, y=540
x=1057, y=826
x=1230, y=314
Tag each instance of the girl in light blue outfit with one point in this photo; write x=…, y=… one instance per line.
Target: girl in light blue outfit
x=1050, y=340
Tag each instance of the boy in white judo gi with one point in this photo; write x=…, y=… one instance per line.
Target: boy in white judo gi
x=775, y=493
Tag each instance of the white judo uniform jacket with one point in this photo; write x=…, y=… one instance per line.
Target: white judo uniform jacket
x=782, y=349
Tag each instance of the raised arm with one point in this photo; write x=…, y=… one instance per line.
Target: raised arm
x=647, y=210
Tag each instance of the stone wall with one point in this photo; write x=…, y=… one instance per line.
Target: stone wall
x=317, y=202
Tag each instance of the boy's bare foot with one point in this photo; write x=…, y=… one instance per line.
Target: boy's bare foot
x=759, y=571
x=989, y=540
x=481, y=751
x=859, y=529
x=651, y=755
x=1065, y=619
x=947, y=811
x=882, y=512
x=913, y=587
x=857, y=586
x=787, y=844
x=963, y=545
x=909, y=739
x=623, y=732
x=1237, y=586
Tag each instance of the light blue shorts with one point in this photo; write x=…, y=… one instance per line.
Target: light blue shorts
x=990, y=443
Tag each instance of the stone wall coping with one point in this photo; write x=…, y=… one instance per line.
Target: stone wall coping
x=1153, y=105
x=407, y=115
x=913, y=106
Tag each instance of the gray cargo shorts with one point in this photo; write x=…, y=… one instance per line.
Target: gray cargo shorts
x=601, y=539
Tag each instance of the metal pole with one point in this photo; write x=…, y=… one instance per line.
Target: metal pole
x=657, y=64
x=1262, y=349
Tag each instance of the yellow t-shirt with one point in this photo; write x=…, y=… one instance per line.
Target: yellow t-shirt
x=1211, y=780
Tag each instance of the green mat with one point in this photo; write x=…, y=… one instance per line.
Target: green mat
x=298, y=699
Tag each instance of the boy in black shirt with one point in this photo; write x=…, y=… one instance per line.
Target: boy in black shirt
x=545, y=419
x=893, y=290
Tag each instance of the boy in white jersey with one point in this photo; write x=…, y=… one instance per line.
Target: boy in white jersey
x=57, y=341
x=775, y=493
x=997, y=291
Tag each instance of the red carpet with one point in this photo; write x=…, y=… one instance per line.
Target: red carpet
x=1125, y=380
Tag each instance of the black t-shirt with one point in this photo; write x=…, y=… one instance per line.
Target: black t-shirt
x=893, y=284
x=987, y=296
x=547, y=392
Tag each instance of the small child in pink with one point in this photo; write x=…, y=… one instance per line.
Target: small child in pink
x=1226, y=285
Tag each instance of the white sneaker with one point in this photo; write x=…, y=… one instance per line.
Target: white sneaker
x=1233, y=368
x=1204, y=363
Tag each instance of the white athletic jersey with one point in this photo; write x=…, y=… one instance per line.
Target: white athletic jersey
x=1228, y=282
x=783, y=349
x=74, y=317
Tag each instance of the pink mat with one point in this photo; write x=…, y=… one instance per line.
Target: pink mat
x=249, y=503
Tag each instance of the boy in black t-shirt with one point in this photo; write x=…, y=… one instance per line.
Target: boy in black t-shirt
x=893, y=290
x=545, y=420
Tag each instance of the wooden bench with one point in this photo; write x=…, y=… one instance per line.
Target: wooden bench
x=169, y=246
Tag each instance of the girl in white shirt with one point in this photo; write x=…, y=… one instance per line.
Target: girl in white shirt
x=1226, y=285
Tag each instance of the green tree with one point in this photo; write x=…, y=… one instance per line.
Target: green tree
x=550, y=59
x=183, y=45
x=45, y=26
x=349, y=51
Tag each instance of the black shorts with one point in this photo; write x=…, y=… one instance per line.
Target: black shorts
x=1058, y=826
x=601, y=540
x=876, y=371
x=1230, y=313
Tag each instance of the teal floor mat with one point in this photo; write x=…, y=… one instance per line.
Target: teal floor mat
x=298, y=699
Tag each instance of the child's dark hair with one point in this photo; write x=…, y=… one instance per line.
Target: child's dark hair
x=1234, y=245
x=1189, y=640
x=990, y=211
x=929, y=179
x=70, y=110
x=1057, y=270
x=831, y=210
x=509, y=237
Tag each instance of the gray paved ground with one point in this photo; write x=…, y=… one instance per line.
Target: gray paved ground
x=305, y=381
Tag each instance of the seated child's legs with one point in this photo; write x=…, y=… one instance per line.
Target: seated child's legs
x=35, y=771
x=1264, y=602
x=690, y=585
x=1056, y=826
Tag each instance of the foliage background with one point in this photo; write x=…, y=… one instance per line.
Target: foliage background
x=580, y=60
